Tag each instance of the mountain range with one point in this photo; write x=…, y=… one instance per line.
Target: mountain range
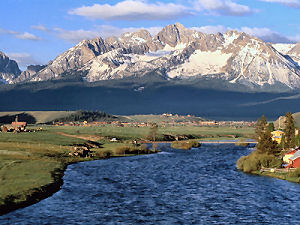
x=179, y=70
x=235, y=59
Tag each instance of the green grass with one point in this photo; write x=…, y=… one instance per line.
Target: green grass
x=43, y=137
x=283, y=176
x=129, y=133
x=20, y=177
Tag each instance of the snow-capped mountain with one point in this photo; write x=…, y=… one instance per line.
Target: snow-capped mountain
x=9, y=69
x=178, y=52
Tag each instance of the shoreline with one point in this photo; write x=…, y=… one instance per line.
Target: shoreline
x=39, y=193
x=46, y=191
x=277, y=176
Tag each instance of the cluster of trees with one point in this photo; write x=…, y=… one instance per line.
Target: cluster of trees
x=89, y=116
x=268, y=151
x=264, y=137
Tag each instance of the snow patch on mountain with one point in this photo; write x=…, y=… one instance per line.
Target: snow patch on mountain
x=201, y=63
x=283, y=48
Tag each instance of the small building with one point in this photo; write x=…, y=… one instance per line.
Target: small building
x=294, y=161
x=288, y=155
x=277, y=135
x=19, y=126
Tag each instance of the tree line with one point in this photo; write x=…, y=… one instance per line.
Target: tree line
x=269, y=152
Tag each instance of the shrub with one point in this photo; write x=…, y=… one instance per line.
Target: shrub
x=240, y=162
x=195, y=144
x=185, y=145
x=121, y=150
x=104, y=154
x=143, y=149
x=255, y=161
x=251, y=164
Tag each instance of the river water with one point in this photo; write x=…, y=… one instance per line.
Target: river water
x=200, y=186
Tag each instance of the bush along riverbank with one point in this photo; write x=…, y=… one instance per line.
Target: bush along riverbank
x=266, y=160
x=185, y=145
x=30, y=172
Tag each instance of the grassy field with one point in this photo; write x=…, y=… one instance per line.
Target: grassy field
x=32, y=163
x=129, y=133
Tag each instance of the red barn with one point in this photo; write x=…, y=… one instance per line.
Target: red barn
x=295, y=160
x=19, y=125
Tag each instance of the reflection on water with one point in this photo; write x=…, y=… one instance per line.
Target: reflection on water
x=201, y=186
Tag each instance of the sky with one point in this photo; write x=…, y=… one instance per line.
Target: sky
x=37, y=31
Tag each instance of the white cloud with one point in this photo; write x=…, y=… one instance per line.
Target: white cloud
x=290, y=3
x=223, y=7
x=295, y=38
x=28, y=36
x=133, y=10
x=103, y=31
x=211, y=29
x=24, y=36
x=76, y=35
x=23, y=59
x=40, y=27
x=3, y=31
x=266, y=34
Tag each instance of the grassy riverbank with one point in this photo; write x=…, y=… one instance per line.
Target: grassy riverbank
x=291, y=176
x=267, y=165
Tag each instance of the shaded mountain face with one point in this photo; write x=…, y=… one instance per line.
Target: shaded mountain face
x=29, y=72
x=177, y=53
x=9, y=69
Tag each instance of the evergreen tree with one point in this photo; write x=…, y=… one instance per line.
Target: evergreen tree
x=271, y=127
x=289, y=130
x=297, y=140
x=260, y=127
x=267, y=145
x=282, y=142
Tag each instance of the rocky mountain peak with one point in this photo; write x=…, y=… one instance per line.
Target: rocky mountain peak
x=9, y=69
x=140, y=37
x=171, y=35
x=29, y=72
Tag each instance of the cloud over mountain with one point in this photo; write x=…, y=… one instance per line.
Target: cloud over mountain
x=223, y=7
x=19, y=35
x=132, y=10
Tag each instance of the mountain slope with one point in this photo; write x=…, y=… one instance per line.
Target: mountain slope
x=127, y=97
x=9, y=69
x=294, y=53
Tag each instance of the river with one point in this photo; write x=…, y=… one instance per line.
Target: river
x=200, y=186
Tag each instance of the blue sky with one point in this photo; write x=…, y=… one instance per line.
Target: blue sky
x=36, y=31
